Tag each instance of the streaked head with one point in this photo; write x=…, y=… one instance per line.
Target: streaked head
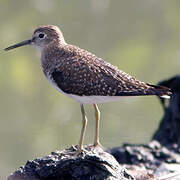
x=42, y=37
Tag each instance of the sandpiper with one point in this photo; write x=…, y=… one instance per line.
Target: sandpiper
x=83, y=76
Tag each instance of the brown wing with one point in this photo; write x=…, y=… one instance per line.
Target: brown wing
x=84, y=74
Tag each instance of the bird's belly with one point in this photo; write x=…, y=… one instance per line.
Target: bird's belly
x=85, y=99
x=94, y=99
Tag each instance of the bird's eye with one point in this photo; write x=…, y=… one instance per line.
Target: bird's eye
x=41, y=35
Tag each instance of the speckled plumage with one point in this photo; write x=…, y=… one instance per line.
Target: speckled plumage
x=83, y=76
x=76, y=71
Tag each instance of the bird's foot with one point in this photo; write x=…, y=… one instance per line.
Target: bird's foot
x=77, y=151
x=97, y=145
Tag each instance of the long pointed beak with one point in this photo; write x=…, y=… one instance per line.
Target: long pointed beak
x=23, y=43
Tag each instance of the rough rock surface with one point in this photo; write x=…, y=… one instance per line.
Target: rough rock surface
x=147, y=156
x=94, y=164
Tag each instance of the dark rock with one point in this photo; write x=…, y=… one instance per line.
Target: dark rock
x=94, y=164
x=168, y=133
x=149, y=156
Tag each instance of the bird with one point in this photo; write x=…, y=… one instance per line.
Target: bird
x=83, y=76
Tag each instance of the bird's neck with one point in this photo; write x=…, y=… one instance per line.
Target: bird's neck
x=51, y=56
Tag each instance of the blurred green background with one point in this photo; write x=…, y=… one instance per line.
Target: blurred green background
x=140, y=37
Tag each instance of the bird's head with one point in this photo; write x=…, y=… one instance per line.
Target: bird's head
x=42, y=37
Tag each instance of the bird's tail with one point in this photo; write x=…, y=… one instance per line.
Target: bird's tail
x=161, y=91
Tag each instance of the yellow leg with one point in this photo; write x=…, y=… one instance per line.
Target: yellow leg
x=97, y=115
x=84, y=124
